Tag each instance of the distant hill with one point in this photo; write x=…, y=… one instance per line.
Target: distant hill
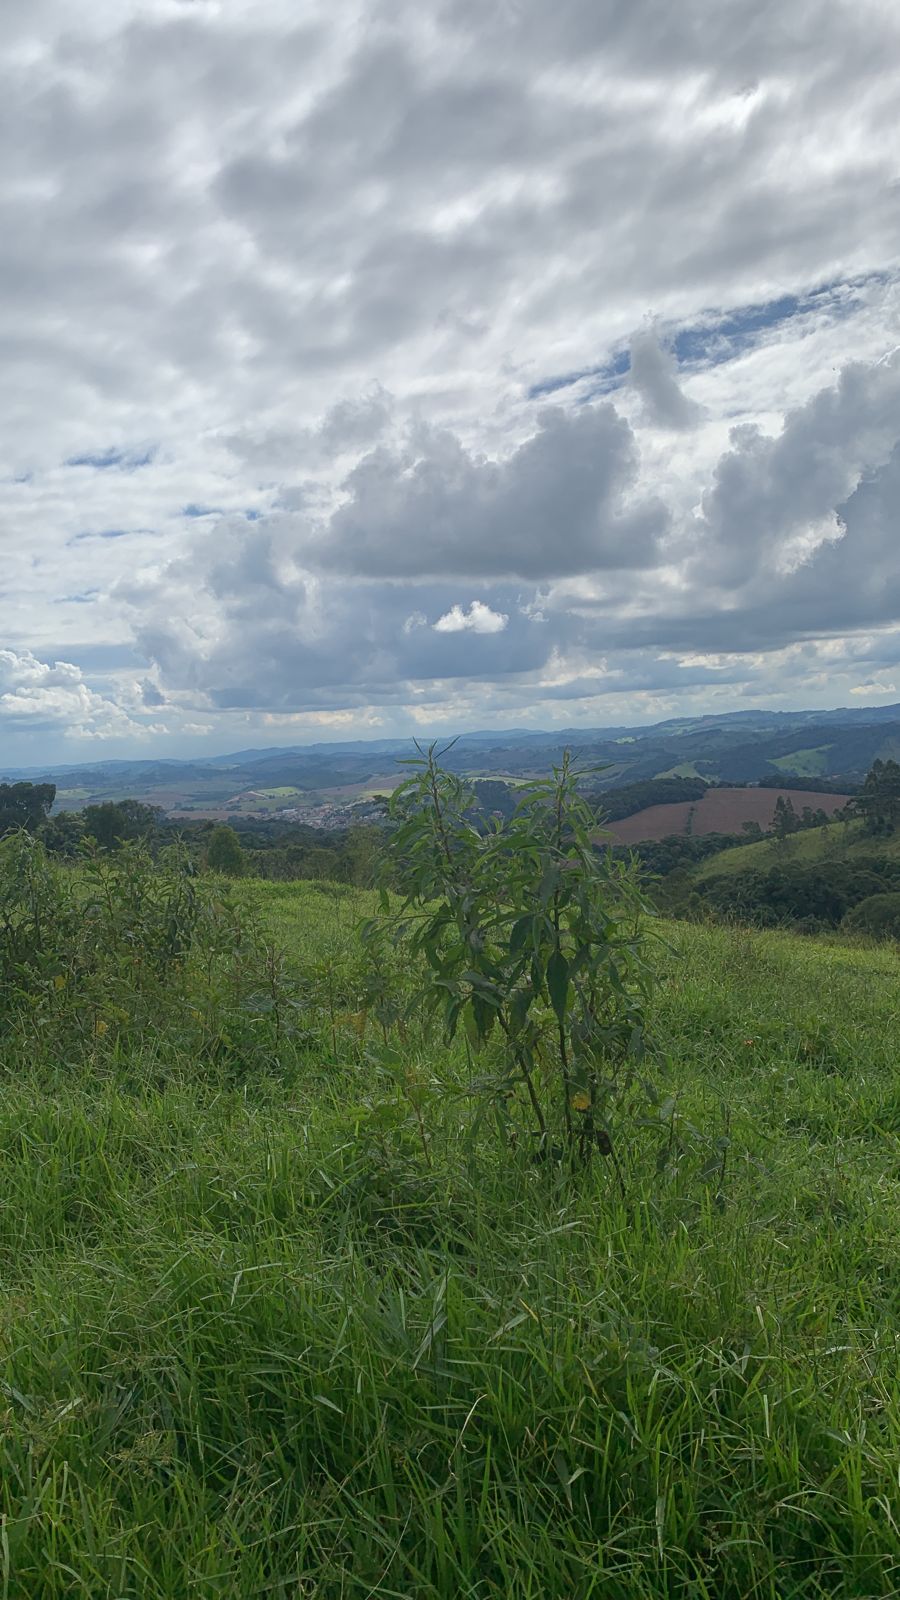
x=743, y=747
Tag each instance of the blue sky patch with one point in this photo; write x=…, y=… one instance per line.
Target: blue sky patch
x=606, y=377
x=113, y=460
x=722, y=337
x=104, y=533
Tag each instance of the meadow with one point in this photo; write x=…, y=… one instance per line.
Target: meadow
x=845, y=841
x=281, y=1316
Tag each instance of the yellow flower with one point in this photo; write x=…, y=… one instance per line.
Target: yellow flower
x=59, y=981
x=581, y=1101
x=101, y=1027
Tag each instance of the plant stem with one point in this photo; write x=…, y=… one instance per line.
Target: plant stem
x=563, y=1045
x=532, y=1095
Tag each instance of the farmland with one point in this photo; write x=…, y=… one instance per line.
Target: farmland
x=718, y=811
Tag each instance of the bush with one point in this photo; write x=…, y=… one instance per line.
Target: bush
x=879, y=915
x=124, y=950
x=224, y=853
x=528, y=934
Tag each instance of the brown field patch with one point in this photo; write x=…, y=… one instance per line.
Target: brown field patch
x=719, y=811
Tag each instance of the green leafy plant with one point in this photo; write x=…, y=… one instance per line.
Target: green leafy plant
x=124, y=947
x=224, y=853
x=527, y=932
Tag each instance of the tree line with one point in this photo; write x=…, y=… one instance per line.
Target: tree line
x=278, y=851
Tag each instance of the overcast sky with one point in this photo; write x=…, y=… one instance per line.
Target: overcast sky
x=376, y=366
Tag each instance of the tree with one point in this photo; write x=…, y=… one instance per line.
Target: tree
x=62, y=835
x=113, y=822
x=785, y=820
x=25, y=805
x=878, y=801
x=361, y=853
x=224, y=853
x=324, y=864
x=879, y=915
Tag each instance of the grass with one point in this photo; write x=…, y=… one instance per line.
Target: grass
x=836, y=841
x=256, y=1342
x=685, y=769
x=810, y=762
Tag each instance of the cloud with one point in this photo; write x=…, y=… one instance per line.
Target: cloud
x=792, y=540
x=734, y=44
x=256, y=617
x=478, y=619
x=333, y=294
x=778, y=502
x=41, y=695
x=561, y=502
x=653, y=375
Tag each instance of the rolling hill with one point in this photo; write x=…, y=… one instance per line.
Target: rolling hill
x=734, y=748
x=718, y=811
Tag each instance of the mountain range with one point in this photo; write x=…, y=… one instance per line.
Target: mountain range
x=733, y=747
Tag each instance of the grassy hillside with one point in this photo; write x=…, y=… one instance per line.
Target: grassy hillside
x=839, y=841
x=685, y=769
x=809, y=763
x=261, y=1336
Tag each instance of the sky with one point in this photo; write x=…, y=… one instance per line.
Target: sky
x=389, y=366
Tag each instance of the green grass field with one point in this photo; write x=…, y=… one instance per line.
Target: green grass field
x=808, y=763
x=837, y=841
x=685, y=769
x=261, y=1339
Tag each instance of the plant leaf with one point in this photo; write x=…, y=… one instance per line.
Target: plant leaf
x=558, y=983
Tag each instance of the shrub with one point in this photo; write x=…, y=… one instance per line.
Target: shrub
x=224, y=853
x=525, y=932
x=124, y=948
x=879, y=915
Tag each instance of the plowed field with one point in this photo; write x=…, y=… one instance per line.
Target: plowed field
x=719, y=811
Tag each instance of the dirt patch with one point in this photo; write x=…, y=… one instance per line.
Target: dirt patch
x=718, y=811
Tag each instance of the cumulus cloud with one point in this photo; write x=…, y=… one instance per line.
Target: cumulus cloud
x=794, y=537
x=478, y=619
x=43, y=695
x=777, y=502
x=560, y=503
x=316, y=305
